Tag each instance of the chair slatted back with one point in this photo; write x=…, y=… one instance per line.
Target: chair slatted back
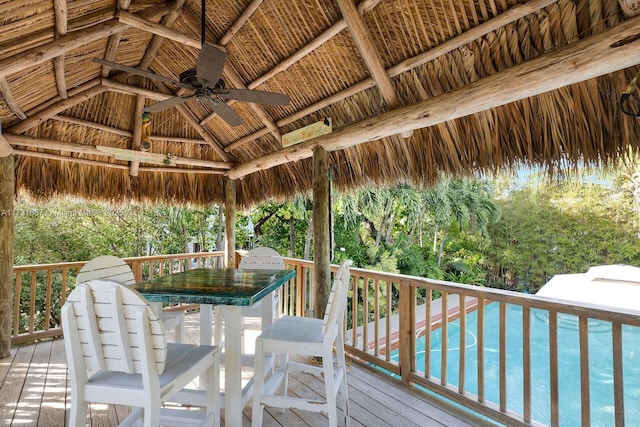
x=337, y=304
x=106, y=267
x=262, y=259
x=110, y=327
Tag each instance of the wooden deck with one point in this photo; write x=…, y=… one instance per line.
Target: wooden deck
x=34, y=391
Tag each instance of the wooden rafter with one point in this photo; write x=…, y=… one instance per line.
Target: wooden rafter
x=54, y=109
x=5, y=147
x=156, y=41
x=475, y=33
x=7, y=95
x=60, y=11
x=134, y=166
x=122, y=132
x=364, y=7
x=239, y=23
x=49, y=144
x=370, y=54
x=613, y=50
x=114, y=41
x=46, y=52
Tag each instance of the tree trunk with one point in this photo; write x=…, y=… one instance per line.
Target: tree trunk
x=292, y=236
x=383, y=224
x=219, y=235
x=392, y=220
x=7, y=187
x=308, y=239
x=435, y=239
x=441, y=249
x=230, y=229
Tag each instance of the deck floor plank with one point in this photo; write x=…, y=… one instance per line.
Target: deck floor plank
x=53, y=411
x=14, y=383
x=33, y=389
x=34, y=380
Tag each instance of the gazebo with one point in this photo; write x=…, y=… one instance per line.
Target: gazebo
x=379, y=92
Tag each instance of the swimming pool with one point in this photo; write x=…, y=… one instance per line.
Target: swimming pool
x=600, y=361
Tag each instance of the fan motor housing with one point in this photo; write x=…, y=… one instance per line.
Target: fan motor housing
x=190, y=77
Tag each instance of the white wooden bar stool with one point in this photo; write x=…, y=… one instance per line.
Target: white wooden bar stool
x=109, y=267
x=117, y=353
x=308, y=337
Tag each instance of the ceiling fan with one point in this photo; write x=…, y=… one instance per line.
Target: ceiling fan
x=205, y=84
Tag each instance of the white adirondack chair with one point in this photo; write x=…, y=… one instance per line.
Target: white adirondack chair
x=258, y=259
x=308, y=337
x=111, y=267
x=117, y=354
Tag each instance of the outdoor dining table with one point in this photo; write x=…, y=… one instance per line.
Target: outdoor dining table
x=226, y=286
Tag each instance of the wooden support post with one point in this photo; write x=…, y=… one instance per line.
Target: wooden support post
x=321, y=249
x=407, y=341
x=7, y=188
x=230, y=224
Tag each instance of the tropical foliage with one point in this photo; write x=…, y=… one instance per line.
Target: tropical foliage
x=499, y=233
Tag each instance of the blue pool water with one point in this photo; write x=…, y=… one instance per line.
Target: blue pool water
x=600, y=361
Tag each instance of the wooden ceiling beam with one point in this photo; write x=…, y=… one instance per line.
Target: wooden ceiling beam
x=60, y=12
x=7, y=95
x=612, y=50
x=143, y=24
x=122, y=132
x=56, y=108
x=364, y=7
x=156, y=41
x=511, y=15
x=5, y=148
x=113, y=43
x=46, y=52
x=239, y=23
x=134, y=166
x=165, y=169
x=72, y=147
x=370, y=54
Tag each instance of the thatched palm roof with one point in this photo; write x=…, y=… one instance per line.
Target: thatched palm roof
x=412, y=87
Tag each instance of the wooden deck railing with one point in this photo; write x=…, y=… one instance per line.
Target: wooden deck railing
x=390, y=314
x=41, y=290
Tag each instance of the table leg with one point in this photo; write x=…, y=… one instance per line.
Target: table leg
x=206, y=319
x=233, y=398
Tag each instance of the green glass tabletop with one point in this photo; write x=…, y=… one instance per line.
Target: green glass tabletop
x=216, y=286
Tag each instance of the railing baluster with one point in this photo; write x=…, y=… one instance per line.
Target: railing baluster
x=463, y=343
x=354, y=315
x=526, y=364
x=365, y=311
x=32, y=300
x=585, y=407
x=47, y=303
x=480, y=350
x=444, y=331
x=376, y=316
x=428, y=295
x=553, y=368
x=618, y=382
x=16, y=304
x=502, y=352
x=387, y=344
